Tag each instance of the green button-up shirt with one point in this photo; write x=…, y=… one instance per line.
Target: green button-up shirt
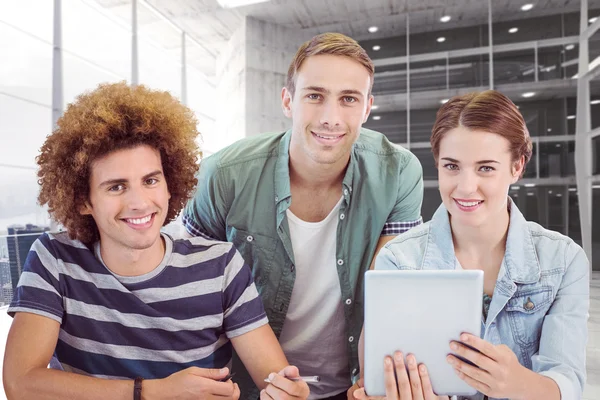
x=244, y=191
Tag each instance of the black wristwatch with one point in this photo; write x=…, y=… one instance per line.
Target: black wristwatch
x=137, y=388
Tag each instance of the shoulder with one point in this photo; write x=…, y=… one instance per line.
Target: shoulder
x=194, y=251
x=555, y=250
x=251, y=149
x=406, y=251
x=371, y=144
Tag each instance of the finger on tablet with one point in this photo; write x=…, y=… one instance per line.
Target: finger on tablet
x=391, y=390
x=415, y=379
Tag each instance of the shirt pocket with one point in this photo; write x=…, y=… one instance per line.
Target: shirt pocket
x=258, y=252
x=526, y=311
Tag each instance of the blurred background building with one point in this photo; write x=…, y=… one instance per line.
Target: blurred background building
x=227, y=60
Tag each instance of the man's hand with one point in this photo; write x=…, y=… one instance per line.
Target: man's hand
x=414, y=385
x=191, y=384
x=282, y=388
x=358, y=385
x=498, y=372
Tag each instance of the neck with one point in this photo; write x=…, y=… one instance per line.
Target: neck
x=484, y=240
x=306, y=173
x=126, y=261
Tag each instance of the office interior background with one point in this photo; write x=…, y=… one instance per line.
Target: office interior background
x=227, y=60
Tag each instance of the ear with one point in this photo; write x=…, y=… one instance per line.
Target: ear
x=517, y=169
x=286, y=102
x=85, y=208
x=369, y=106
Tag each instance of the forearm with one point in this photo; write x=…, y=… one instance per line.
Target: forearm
x=49, y=384
x=539, y=387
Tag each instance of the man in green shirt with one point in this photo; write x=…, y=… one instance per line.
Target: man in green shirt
x=309, y=208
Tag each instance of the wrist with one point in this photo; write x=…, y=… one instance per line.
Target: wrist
x=536, y=386
x=151, y=390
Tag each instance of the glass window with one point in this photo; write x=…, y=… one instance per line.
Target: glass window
x=557, y=159
x=426, y=158
x=514, y=67
x=431, y=202
x=392, y=124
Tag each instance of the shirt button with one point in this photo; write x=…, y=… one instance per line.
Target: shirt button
x=345, y=192
x=348, y=301
x=249, y=238
x=529, y=305
x=351, y=339
x=342, y=216
x=276, y=198
x=340, y=262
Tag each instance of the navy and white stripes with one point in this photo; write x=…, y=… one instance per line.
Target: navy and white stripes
x=179, y=315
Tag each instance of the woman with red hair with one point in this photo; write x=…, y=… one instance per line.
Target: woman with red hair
x=536, y=281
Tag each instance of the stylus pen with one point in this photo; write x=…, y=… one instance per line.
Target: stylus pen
x=307, y=379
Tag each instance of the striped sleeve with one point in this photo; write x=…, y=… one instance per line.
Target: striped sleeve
x=38, y=290
x=243, y=307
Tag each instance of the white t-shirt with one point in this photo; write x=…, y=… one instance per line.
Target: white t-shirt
x=314, y=330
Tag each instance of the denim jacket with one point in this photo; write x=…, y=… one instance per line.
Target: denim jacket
x=540, y=267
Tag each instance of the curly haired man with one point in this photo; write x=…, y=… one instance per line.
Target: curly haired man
x=118, y=306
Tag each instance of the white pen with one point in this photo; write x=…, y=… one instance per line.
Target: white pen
x=307, y=379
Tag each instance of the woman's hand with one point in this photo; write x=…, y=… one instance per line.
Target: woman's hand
x=497, y=373
x=414, y=385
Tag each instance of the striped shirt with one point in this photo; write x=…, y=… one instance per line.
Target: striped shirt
x=181, y=314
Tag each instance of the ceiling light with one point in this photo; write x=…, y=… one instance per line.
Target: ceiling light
x=569, y=47
x=530, y=185
x=444, y=101
x=376, y=48
x=445, y=18
x=375, y=107
x=441, y=39
x=516, y=187
x=526, y=7
x=530, y=194
x=558, y=194
x=549, y=129
x=570, y=117
x=513, y=30
x=572, y=189
x=528, y=94
x=376, y=117
x=373, y=29
x=238, y=3
x=594, y=102
x=592, y=20
x=557, y=145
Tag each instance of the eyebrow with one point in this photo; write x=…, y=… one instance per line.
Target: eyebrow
x=321, y=89
x=117, y=181
x=452, y=160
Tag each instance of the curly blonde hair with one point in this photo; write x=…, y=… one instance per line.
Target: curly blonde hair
x=113, y=117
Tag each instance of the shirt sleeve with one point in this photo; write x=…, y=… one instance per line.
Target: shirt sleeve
x=243, y=307
x=558, y=358
x=38, y=291
x=407, y=211
x=205, y=213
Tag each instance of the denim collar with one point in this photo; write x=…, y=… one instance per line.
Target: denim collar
x=520, y=264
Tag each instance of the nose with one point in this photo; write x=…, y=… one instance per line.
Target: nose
x=137, y=198
x=468, y=183
x=331, y=114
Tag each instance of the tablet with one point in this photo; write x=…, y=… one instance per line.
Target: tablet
x=420, y=312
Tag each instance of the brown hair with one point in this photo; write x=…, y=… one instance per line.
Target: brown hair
x=328, y=43
x=114, y=117
x=488, y=111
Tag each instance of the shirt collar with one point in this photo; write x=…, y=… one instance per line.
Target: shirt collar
x=282, y=171
x=520, y=258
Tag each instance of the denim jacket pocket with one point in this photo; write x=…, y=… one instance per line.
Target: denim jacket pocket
x=526, y=311
x=258, y=252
